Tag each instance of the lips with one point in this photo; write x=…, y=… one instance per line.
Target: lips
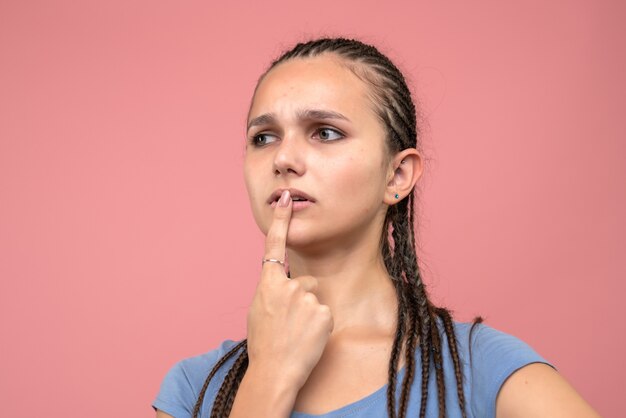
x=295, y=195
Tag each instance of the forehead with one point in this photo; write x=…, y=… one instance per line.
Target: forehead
x=318, y=82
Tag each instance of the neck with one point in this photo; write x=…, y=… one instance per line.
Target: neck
x=354, y=283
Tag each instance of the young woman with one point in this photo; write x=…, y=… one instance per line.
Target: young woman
x=348, y=330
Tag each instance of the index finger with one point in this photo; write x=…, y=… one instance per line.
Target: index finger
x=275, y=241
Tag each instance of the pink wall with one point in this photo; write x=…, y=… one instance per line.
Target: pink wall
x=126, y=240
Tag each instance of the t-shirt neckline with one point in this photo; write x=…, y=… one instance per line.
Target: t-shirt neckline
x=355, y=406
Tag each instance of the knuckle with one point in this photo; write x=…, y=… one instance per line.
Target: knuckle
x=312, y=281
x=269, y=272
x=328, y=317
x=305, y=280
x=310, y=298
x=293, y=286
x=325, y=311
x=263, y=282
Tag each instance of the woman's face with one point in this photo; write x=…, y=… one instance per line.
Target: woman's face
x=312, y=127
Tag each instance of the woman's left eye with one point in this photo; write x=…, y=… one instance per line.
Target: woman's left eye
x=329, y=134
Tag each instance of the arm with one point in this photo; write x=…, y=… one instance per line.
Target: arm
x=287, y=331
x=257, y=397
x=537, y=390
x=286, y=335
x=262, y=394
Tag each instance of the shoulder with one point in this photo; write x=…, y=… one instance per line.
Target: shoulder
x=485, y=346
x=490, y=357
x=182, y=383
x=490, y=345
x=508, y=378
x=537, y=390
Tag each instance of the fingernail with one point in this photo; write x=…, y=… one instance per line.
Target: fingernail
x=284, y=199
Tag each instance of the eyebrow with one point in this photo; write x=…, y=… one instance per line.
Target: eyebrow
x=305, y=114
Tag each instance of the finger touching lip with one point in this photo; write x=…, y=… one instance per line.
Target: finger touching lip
x=296, y=204
x=296, y=195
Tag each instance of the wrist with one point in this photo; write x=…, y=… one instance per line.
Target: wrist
x=268, y=391
x=278, y=376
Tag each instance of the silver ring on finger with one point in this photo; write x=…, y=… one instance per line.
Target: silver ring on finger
x=273, y=260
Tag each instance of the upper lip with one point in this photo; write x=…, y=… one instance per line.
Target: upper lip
x=293, y=192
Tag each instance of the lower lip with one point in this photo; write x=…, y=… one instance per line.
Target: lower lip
x=297, y=205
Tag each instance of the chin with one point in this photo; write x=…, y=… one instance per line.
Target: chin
x=299, y=236
x=307, y=241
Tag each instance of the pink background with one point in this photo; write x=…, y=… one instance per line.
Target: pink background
x=126, y=239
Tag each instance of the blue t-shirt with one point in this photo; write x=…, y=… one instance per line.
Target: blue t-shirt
x=495, y=356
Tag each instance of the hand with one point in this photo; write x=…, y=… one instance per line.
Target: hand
x=287, y=326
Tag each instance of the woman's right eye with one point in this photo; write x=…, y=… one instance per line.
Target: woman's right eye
x=260, y=139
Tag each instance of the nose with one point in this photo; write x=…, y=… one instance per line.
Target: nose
x=289, y=157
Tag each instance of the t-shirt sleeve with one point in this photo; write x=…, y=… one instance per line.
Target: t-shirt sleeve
x=181, y=385
x=495, y=356
x=176, y=395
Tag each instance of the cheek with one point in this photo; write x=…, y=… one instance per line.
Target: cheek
x=251, y=168
x=253, y=188
x=248, y=180
x=356, y=179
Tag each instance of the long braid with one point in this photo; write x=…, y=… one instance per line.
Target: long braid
x=437, y=343
x=232, y=384
x=395, y=356
x=441, y=388
x=417, y=317
x=412, y=340
x=450, y=335
x=405, y=256
x=229, y=354
x=400, y=332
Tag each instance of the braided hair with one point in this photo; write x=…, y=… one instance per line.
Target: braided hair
x=417, y=316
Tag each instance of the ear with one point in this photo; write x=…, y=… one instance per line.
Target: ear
x=405, y=169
